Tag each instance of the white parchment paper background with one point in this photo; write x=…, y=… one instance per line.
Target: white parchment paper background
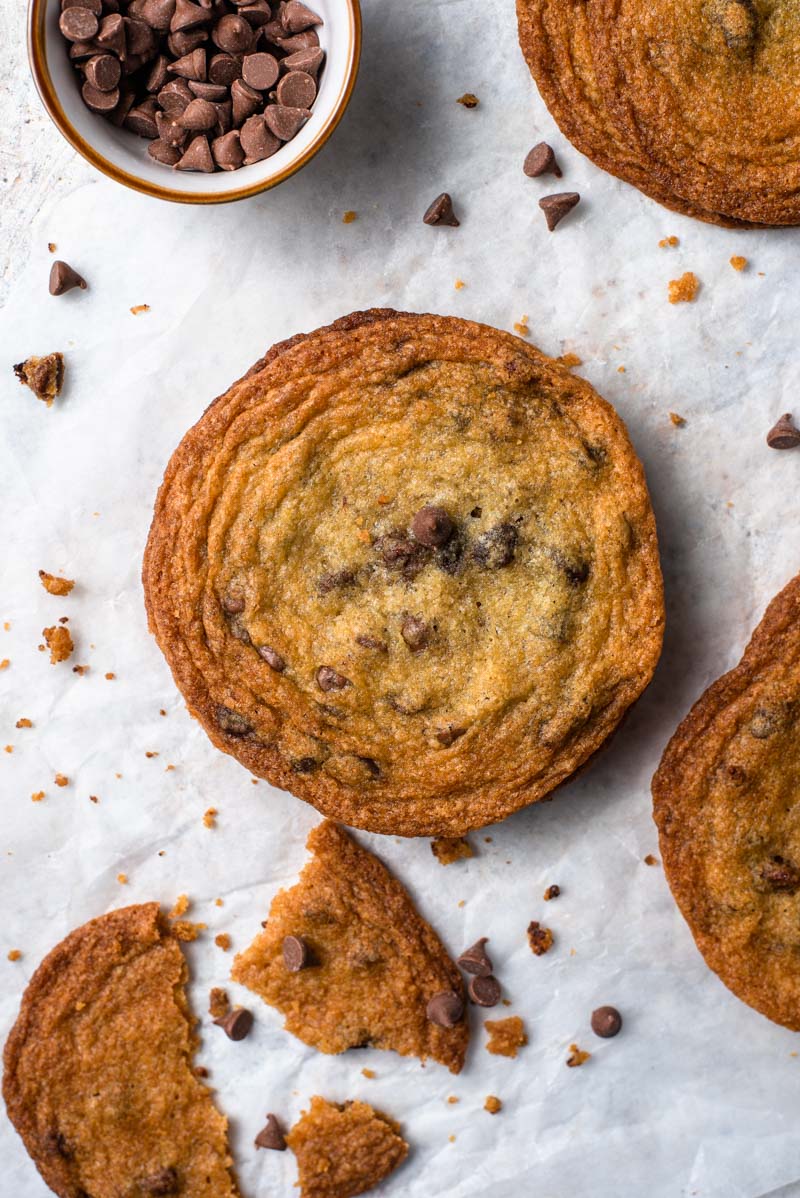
x=699, y=1095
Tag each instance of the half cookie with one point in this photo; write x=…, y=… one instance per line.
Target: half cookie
x=350, y=963
x=407, y=569
x=344, y=1149
x=727, y=804
x=98, y=1068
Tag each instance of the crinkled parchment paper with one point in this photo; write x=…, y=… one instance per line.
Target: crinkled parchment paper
x=698, y=1095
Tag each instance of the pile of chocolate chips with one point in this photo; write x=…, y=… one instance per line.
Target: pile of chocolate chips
x=215, y=84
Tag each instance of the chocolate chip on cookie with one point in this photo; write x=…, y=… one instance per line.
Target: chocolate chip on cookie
x=162, y=1183
x=541, y=161
x=329, y=680
x=440, y=212
x=271, y=1136
x=780, y=874
x=416, y=633
x=556, y=207
x=432, y=526
x=272, y=658
x=231, y=722
x=784, y=434
x=496, y=547
x=445, y=1009
x=606, y=1022
x=296, y=955
x=476, y=960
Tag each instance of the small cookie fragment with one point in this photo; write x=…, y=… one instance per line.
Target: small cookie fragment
x=64, y=278
x=61, y=780
x=137, y=309
x=650, y=859
x=541, y=160
x=349, y=216
x=219, y=1004
x=223, y=941
x=468, y=100
x=44, y=376
x=55, y=585
x=551, y=893
x=440, y=212
x=738, y=262
x=24, y=723
x=492, y=1104
x=540, y=939
x=668, y=241
x=784, y=434
x=677, y=420
x=343, y=1149
x=181, y=907
x=59, y=642
x=447, y=849
x=606, y=1022
x=684, y=290
x=577, y=1056
x=555, y=207
x=271, y=1136
x=506, y=1036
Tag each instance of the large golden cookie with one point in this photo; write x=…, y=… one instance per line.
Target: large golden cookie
x=692, y=101
x=98, y=1068
x=407, y=670
x=727, y=809
x=373, y=967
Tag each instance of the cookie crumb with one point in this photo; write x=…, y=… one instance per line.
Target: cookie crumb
x=59, y=642
x=161, y=711
x=678, y=421
x=218, y=903
x=24, y=722
x=93, y=799
x=570, y=360
x=180, y=908
x=14, y=954
x=552, y=892
x=651, y=860
x=81, y=670
x=668, y=241
x=453, y=1099
x=493, y=1104
x=447, y=849
x=349, y=216
x=137, y=309
x=110, y=677
x=9, y=748
x=122, y=879
x=51, y=245
x=468, y=100
x=684, y=290
x=506, y=1036
x=210, y=818
x=186, y=931
x=368, y=1073
x=218, y=1003
x=223, y=941
x=521, y=326
x=43, y=376
x=459, y=284
x=37, y=796
x=61, y=780
x=55, y=585
x=540, y=939
x=151, y=753
x=577, y=1056
x=5, y=663
x=738, y=262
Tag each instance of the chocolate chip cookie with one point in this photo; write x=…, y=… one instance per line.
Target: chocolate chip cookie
x=407, y=569
x=344, y=1148
x=98, y=1068
x=726, y=805
x=349, y=962
x=691, y=101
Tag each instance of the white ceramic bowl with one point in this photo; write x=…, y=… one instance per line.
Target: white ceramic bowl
x=123, y=156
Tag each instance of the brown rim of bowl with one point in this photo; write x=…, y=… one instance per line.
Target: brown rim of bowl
x=44, y=85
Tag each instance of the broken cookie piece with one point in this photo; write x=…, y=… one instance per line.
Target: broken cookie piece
x=55, y=585
x=344, y=1149
x=44, y=376
x=98, y=1068
x=59, y=642
x=371, y=966
x=506, y=1036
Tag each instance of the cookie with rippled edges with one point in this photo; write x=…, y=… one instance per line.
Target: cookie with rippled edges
x=726, y=804
x=407, y=569
x=348, y=961
x=98, y=1074
x=588, y=57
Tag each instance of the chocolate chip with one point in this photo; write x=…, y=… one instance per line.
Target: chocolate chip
x=256, y=14
x=432, y=526
x=296, y=955
x=246, y=101
x=157, y=75
x=449, y=735
x=296, y=17
x=271, y=1136
x=476, y=513
x=306, y=40
x=450, y=556
x=139, y=38
x=103, y=72
x=305, y=765
x=738, y=20
x=190, y=66
x=94, y=6
x=297, y=90
x=556, y=207
x=78, y=24
x=232, y=34
x=445, y=1009
x=199, y=116
x=197, y=156
x=175, y=96
x=161, y=1183
x=215, y=93
x=237, y=1024
x=142, y=120
x=496, y=547
x=329, y=680
x=476, y=960
x=257, y=141
x=261, y=70
x=271, y=657
x=185, y=41
x=97, y=101
x=780, y=875
x=223, y=69
x=229, y=155
x=56, y=1143
x=285, y=122
x=230, y=721
x=606, y=1022
x=416, y=633
x=484, y=991
x=371, y=642
x=163, y=151
x=541, y=161
x=112, y=35
x=309, y=60
x=188, y=16
x=400, y=552
x=784, y=434
x=440, y=212
x=64, y=278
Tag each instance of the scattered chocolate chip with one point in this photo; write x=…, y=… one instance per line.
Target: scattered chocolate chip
x=335, y=580
x=231, y=722
x=416, y=633
x=157, y=75
x=399, y=552
x=305, y=765
x=272, y=658
x=476, y=513
x=296, y=955
x=451, y=555
x=174, y=134
x=445, y=1009
x=476, y=960
x=329, y=680
x=556, y=207
x=432, y=526
x=44, y=376
x=784, y=434
x=440, y=212
x=142, y=120
x=246, y=101
x=78, y=24
x=541, y=161
x=237, y=1024
x=157, y=13
x=484, y=991
x=552, y=892
x=496, y=547
x=64, y=278
x=606, y=1022
x=188, y=16
x=306, y=40
x=56, y=1143
x=161, y=1183
x=271, y=1136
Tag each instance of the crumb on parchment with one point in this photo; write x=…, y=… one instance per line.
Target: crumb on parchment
x=577, y=1056
x=506, y=1036
x=218, y=1003
x=468, y=100
x=55, y=585
x=61, y=780
x=137, y=309
x=493, y=1104
x=738, y=262
x=570, y=360
x=668, y=241
x=184, y=930
x=521, y=326
x=349, y=216
x=210, y=818
x=59, y=642
x=540, y=939
x=37, y=796
x=651, y=860
x=24, y=722
x=180, y=908
x=684, y=290
x=678, y=421
x=447, y=849
x=223, y=941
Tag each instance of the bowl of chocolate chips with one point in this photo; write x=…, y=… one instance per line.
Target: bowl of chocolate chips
x=195, y=101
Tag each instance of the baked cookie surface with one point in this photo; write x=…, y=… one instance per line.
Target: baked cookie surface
x=98, y=1074
x=374, y=964
x=692, y=101
x=344, y=1149
x=407, y=569
x=726, y=805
